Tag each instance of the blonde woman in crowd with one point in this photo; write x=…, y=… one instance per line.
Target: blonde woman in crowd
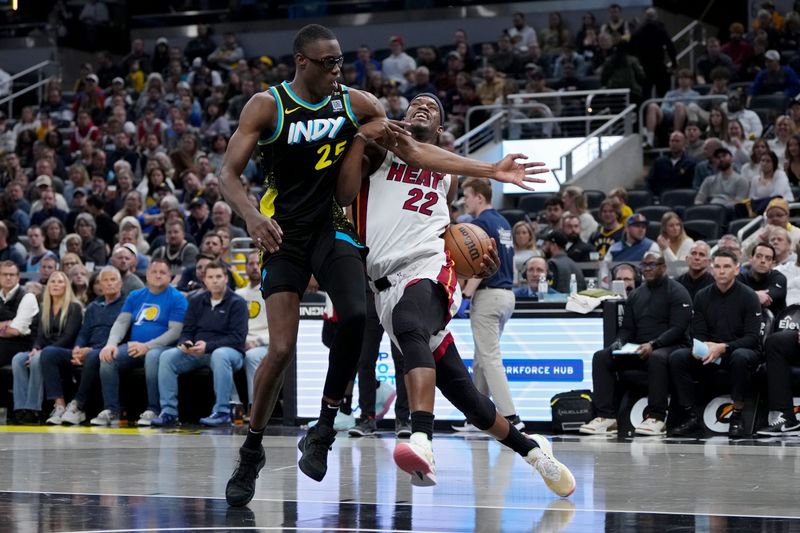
x=784, y=129
x=575, y=202
x=79, y=281
x=69, y=260
x=133, y=207
x=674, y=243
x=524, y=239
x=60, y=320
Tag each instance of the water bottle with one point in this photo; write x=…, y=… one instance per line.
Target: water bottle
x=573, y=284
x=542, y=289
x=603, y=274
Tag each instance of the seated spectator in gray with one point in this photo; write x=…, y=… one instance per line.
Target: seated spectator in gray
x=124, y=259
x=178, y=252
x=726, y=187
x=257, y=341
x=154, y=317
x=559, y=265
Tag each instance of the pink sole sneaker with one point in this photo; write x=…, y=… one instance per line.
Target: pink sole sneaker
x=408, y=460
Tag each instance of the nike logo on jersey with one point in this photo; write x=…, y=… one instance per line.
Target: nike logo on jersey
x=314, y=130
x=686, y=305
x=289, y=112
x=415, y=176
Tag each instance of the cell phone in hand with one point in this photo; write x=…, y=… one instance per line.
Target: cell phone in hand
x=188, y=344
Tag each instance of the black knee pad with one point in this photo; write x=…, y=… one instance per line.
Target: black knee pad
x=412, y=336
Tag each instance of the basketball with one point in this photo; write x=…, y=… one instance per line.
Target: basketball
x=466, y=244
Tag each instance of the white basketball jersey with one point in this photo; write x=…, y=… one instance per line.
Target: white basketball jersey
x=401, y=215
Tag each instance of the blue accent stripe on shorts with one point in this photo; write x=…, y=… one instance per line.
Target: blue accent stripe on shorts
x=347, y=238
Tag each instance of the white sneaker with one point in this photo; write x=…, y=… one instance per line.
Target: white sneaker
x=73, y=415
x=651, y=426
x=104, y=418
x=146, y=418
x=55, y=415
x=416, y=458
x=342, y=422
x=384, y=396
x=464, y=427
x=599, y=426
x=556, y=476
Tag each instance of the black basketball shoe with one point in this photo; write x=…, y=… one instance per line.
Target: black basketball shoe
x=242, y=484
x=314, y=447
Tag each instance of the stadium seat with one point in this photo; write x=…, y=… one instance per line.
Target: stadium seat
x=595, y=214
x=735, y=225
x=702, y=229
x=769, y=101
x=715, y=213
x=513, y=215
x=533, y=203
x=593, y=198
x=678, y=197
x=653, y=229
x=639, y=198
x=654, y=212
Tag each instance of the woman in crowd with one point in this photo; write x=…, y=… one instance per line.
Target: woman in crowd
x=132, y=208
x=54, y=232
x=69, y=260
x=784, y=129
x=94, y=250
x=60, y=320
x=72, y=243
x=674, y=242
x=717, y=125
x=524, y=240
x=575, y=202
x=79, y=281
x=739, y=146
x=752, y=169
x=792, y=164
x=770, y=183
x=237, y=262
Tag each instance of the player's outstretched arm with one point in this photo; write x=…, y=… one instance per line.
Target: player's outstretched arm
x=428, y=156
x=355, y=167
x=256, y=116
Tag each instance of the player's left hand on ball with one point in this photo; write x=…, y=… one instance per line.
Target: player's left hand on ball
x=507, y=170
x=490, y=263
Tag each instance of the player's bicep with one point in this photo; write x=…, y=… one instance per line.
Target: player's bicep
x=257, y=115
x=366, y=106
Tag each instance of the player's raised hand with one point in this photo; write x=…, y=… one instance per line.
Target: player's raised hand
x=265, y=232
x=508, y=170
x=384, y=131
x=490, y=263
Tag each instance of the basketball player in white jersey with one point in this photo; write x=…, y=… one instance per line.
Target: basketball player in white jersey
x=401, y=213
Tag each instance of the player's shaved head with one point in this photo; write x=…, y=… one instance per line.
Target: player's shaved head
x=309, y=34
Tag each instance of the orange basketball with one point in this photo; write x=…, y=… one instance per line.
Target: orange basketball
x=466, y=243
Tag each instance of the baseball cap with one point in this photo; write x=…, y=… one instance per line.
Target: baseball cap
x=720, y=150
x=196, y=202
x=197, y=62
x=127, y=246
x=118, y=80
x=556, y=236
x=396, y=39
x=43, y=180
x=453, y=53
x=779, y=203
x=162, y=40
x=80, y=190
x=637, y=218
x=266, y=60
x=773, y=55
x=92, y=77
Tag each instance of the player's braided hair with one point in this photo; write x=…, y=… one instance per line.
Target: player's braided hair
x=309, y=34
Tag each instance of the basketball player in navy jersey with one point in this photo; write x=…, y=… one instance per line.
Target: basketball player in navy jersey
x=401, y=213
x=302, y=130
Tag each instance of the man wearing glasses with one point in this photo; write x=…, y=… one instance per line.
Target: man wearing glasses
x=656, y=319
x=303, y=129
x=727, y=322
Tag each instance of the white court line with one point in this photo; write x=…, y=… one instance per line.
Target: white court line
x=254, y=528
x=410, y=504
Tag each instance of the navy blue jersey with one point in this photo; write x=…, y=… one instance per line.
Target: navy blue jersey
x=498, y=228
